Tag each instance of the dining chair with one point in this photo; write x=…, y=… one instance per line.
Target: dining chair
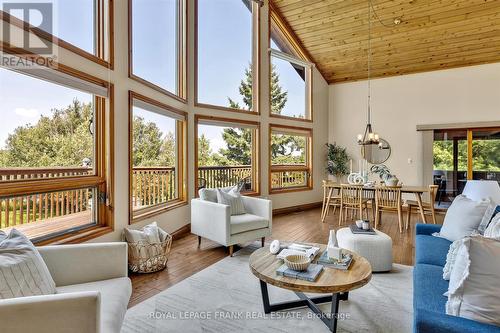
x=351, y=197
x=428, y=207
x=330, y=199
x=388, y=199
x=370, y=196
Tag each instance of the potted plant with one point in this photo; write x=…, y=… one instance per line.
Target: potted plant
x=385, y=174
x=337, y=161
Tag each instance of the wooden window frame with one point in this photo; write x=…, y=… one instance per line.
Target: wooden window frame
x=255, y=148
x=103, y=40
x=255, y=64
x=181, y=94
x=308, y=167
x=181, y=175
x=102, y=179
x=294, y=50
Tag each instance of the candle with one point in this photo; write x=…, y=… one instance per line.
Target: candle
x=350, y=162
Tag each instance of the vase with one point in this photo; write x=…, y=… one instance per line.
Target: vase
x=392, y=181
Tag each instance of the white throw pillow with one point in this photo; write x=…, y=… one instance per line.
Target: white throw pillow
x=210, y=194
x=462, y=218
x=474, y=290
x=150, y=234
x=22, y=270
x=451, y=257
x=493, y=230
x=233, y=200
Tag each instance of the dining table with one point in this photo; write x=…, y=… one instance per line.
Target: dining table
x=415, y=190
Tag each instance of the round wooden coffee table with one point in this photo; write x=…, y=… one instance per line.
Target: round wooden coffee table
x=263, y=265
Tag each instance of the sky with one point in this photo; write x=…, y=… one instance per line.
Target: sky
x=225, y=46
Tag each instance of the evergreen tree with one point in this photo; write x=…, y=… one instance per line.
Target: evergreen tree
x=285, y=149
x=204, y=151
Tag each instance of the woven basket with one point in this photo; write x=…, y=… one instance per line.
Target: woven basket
x=148, y=258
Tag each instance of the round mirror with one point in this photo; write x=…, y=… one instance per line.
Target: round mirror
x=376, y=154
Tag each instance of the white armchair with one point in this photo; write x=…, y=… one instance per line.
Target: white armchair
x=93, y=291
x=213, y=221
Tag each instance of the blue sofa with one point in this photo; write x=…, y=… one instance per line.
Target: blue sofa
x=429, y=314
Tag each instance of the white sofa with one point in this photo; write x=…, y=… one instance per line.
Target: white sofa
x=93, y=292
x=213, y=221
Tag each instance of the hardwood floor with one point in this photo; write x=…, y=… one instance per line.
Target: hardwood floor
x=186, y=259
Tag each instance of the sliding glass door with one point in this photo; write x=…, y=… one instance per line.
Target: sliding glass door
x=464, y=154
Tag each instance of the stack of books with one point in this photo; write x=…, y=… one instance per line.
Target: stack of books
x=355, y=230
x=342, y=264
x=311, y=274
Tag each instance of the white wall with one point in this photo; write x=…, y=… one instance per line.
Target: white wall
x=179, y=217
x=400, y=103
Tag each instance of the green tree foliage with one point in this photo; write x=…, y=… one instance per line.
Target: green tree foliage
x=204, y=151
x=61, y=139
x=151, y=147
x=64, y=139
x=485, y=155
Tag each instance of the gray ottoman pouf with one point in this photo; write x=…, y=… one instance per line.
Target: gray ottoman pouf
x=377, y=249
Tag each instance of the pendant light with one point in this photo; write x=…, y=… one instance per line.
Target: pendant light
x=369, y=137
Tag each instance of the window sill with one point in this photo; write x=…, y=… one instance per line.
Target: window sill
x=290, y=190
x=306, y=120
x=142, y=215
x=76, y=237
x=225, y=108
x=157, y=88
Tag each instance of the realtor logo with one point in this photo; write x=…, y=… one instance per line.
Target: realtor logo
x=38, y=15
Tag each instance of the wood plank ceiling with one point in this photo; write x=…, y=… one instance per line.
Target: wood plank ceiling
x=432, y=35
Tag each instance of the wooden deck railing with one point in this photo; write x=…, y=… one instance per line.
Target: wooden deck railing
x=222, y=176
x=150, y=186
x=289, y=176
x=153, y=185
x=30, y=208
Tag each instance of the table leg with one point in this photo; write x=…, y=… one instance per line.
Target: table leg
x=327, y=206
x=419, y=200
x=433, y=213
x=330, y=319
x=324, y=201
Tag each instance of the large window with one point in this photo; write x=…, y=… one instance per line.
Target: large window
x=54, y=155
x=82, y=26
x=157, y=50
x=157, y=157
x=290, y=158
x=227, y=153
x=290, y=80
x=227, y=48
x=464, y=154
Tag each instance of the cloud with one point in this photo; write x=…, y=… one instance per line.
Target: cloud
x=28, y=113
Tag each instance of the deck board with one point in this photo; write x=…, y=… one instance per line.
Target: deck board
x=52, y=225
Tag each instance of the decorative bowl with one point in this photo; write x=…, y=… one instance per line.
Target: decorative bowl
x=297, y=262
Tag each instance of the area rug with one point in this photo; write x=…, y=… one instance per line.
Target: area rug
x=225, y=297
